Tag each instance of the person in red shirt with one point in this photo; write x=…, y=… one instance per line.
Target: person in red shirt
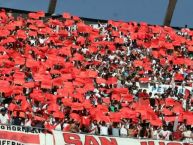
x=143, y=94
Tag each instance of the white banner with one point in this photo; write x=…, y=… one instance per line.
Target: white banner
x=62, y=138
x=159, y=89
x=18, y=135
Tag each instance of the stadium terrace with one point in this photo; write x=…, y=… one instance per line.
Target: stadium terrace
x=118, y=79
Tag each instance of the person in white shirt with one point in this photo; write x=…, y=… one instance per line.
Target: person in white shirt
x=184, y=103
x=104, y=129
x=42, y=40
x=32, y=41
x=111, y=57
x=94, y=128
x=187, y=135
x=4, y=118
x=58, y=126
x=165, y=134
x=155, y=133
x=28, y=122
x=182, y=127
x=123, y=131
x=84, y=50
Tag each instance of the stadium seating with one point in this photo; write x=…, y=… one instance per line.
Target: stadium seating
x=71, y=76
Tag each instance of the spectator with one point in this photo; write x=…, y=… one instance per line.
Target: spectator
x=17, y=120
x=115, y=130
x=132, y=131
x=74, y=127
x=187, y=135
x=66, y=126
x=123, y=131
x=177, y=135
x=4, y=119
x=155, y=133
x=58, y=124
x=103, y=129
x=165, y=134
x=94, y=128
x=28, y=120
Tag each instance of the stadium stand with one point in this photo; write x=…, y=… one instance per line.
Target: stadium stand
x=113, y=79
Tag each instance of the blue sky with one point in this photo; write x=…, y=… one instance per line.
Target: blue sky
x=151, y=11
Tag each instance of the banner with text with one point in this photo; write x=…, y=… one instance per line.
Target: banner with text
x=18, y=135
x=62, y=138
x=160, y=88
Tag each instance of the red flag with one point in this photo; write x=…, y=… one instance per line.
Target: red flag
x=77, y=106
x=38, y=118
x=75, y=116
x=178, y=77
x=166, y=112
x=33, y=16
x=116, y=97
x=112, y=80
x=58, y=114
x=4, y=33
x=86, y=120
x=66, y=15
x=78, y=57
x=169, y=102
x=32, y=63
x=156, y=122
x=101, y=81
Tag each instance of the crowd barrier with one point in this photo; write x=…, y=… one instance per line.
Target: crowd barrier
x=18, y=135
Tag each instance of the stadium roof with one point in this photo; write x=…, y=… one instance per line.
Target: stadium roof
x=150, y=11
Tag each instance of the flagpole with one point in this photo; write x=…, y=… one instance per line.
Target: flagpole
x=169, y=12
x=52, y=6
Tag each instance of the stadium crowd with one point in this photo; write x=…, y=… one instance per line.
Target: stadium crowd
x=66, y=75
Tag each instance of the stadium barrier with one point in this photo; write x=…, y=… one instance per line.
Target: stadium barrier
x=81, y=139
x=19, y=135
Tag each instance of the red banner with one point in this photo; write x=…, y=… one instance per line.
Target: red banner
x=19, y=135
x=7, y=137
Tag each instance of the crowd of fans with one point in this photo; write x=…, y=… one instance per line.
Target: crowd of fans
x=66, y=75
